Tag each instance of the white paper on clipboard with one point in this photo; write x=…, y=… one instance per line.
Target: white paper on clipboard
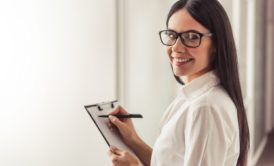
x=112, y=137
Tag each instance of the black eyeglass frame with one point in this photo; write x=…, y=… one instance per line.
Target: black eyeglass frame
x=209, y=34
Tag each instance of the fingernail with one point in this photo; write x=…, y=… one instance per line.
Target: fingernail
x=111, y=117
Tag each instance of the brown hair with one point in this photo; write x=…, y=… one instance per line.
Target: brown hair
x=212, y=15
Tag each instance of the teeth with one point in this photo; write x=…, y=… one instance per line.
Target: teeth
x=181, y=60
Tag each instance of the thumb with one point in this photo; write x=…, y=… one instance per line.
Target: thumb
x=115, y=150
x=116, y=121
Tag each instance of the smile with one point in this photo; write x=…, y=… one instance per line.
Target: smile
x=181, y=61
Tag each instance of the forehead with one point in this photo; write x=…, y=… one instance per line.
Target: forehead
x=182, y=21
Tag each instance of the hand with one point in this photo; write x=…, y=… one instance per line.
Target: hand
x=125, y=126
x=123, y=158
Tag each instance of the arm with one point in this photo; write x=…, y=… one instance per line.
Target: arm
x=142, y=150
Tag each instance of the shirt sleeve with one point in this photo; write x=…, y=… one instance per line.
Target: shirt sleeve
x=205, y=138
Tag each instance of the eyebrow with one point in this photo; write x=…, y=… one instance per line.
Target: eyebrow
x=171, y=29
x=184, y=31
x=190, y=30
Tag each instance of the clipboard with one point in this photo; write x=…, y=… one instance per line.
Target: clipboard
x=112, y=137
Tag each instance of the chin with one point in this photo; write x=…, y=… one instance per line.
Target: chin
x=180, y=73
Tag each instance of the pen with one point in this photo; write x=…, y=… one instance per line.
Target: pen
x=123, y=116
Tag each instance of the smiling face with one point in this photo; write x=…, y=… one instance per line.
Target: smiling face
x=189, y=62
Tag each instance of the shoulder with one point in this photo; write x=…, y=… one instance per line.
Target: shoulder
x=216, y=105
x=216, y=99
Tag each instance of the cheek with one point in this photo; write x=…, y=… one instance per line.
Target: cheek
x=203, y=56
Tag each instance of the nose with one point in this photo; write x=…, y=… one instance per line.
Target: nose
x=179, y=47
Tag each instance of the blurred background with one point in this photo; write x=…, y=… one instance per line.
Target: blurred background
x=58, y=55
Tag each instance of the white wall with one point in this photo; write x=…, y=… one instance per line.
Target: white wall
x=149, y=85
x=270, y=55
x=55, y=57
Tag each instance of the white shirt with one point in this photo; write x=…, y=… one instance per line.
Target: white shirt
x=199, y=128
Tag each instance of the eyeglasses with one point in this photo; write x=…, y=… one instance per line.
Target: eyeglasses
x=189, y=38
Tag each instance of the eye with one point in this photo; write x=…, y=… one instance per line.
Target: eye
x=171, y=35
x=192, y=36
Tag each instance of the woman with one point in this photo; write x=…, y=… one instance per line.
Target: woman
x=206, y=124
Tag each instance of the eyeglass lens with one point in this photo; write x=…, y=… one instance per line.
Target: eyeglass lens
x=189, y=39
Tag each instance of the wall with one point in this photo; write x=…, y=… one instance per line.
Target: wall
x=249, y=26
x=149, y=85
x=270, y=60
x=259, y=74
x=56, y=56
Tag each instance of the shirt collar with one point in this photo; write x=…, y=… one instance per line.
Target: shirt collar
x=199, y=85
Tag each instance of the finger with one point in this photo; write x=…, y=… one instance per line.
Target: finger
x=110, y=153
x=114, y=120
x=115, y=150
x=113, y=157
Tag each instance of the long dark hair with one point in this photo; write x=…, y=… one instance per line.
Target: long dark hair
x=212, y=15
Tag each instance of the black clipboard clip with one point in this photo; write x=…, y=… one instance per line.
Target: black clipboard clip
x=101, y=105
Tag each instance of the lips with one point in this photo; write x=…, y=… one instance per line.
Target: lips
x=181, y=61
